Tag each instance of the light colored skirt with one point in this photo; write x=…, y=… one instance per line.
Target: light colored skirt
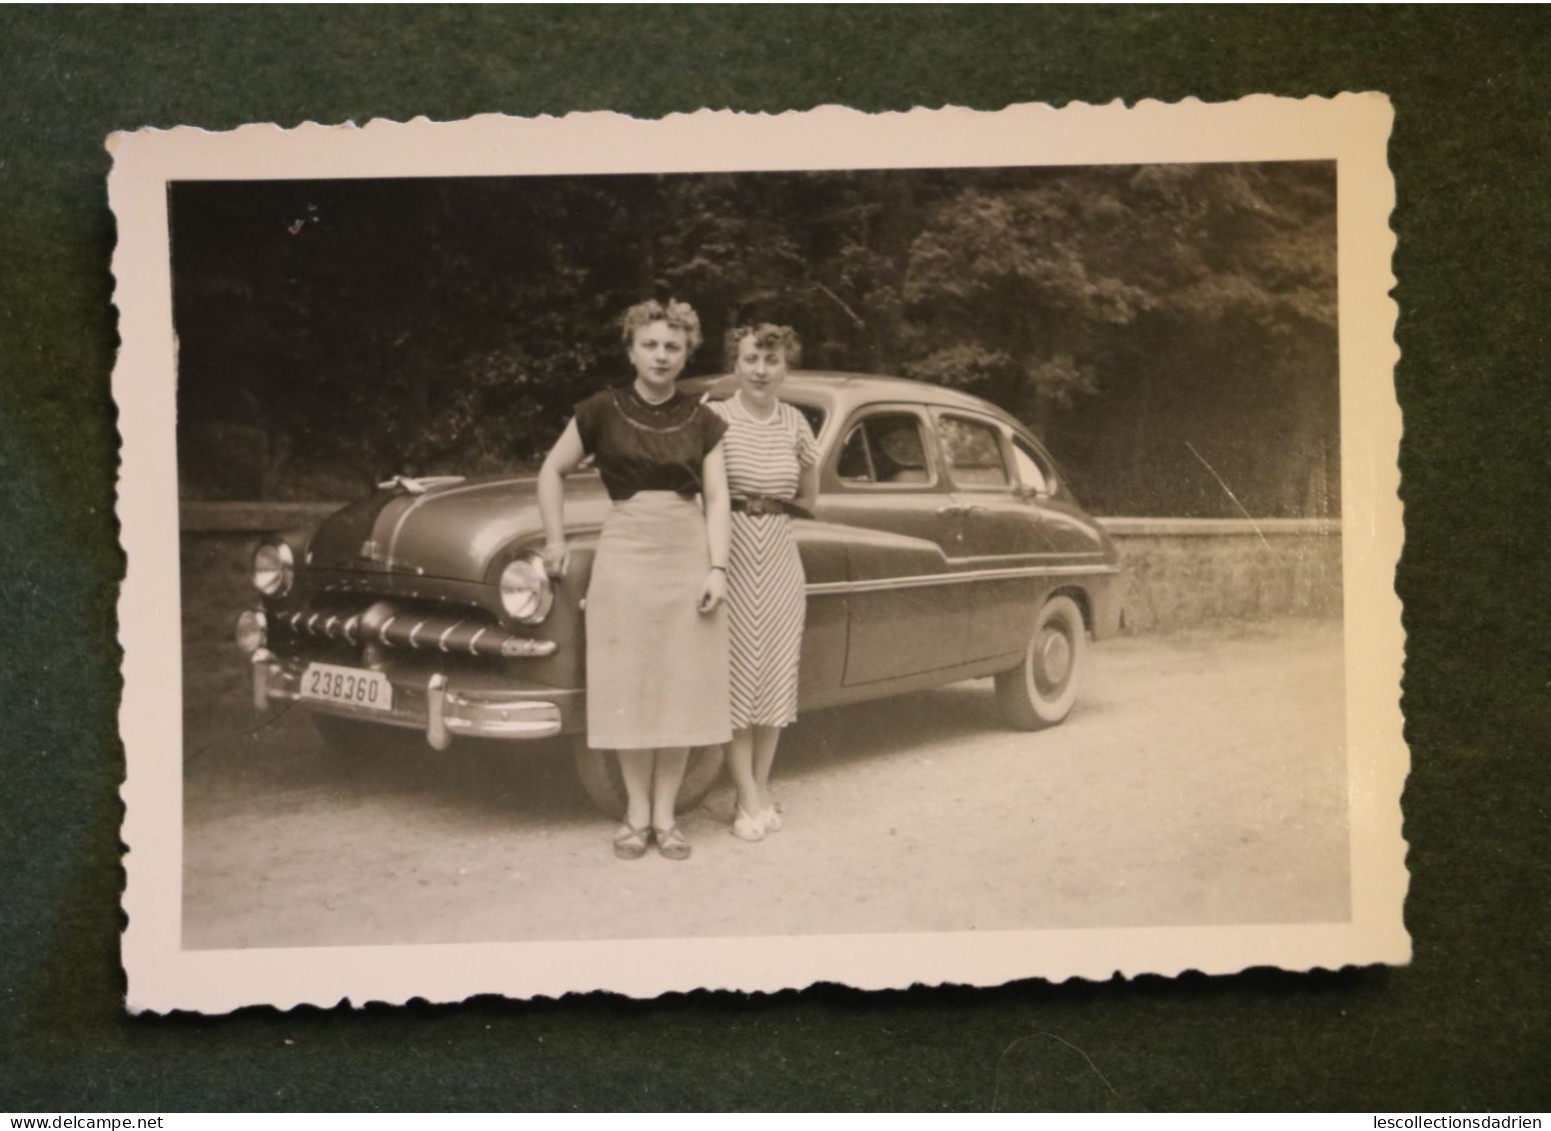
x=766, y=602
x=656, y=666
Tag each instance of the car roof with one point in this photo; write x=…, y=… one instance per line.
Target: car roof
x=841, y=392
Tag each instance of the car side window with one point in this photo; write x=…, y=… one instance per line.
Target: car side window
x=1034, y=470
x=974, y=451
x=884, y=448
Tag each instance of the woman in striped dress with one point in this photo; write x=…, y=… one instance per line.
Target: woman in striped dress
x=771, y=460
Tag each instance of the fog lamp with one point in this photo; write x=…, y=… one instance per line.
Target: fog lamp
x=252, y=630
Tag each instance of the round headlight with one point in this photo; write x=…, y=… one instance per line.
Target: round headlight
x=526, y=593
x=274, y=567
x=251, y=630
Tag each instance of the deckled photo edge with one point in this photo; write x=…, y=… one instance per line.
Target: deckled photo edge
x=163, y=976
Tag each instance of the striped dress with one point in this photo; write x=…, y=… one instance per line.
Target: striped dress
x=766, y=595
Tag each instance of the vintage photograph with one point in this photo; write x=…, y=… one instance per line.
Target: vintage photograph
x=737, y=553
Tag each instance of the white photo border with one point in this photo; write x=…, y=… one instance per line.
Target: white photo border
x=1350, y=129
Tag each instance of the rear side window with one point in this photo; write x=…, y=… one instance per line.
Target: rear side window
x=1034, y=470
x=884, y=448
x=974, y=451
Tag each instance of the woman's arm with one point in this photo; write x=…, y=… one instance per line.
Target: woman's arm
x=718, y=525
x=807, y=463
x=807, y=488
x=560, y=462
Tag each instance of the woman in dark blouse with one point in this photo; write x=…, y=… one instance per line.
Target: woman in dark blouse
x=657, y=669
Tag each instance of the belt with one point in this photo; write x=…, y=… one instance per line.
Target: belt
x=761, y=504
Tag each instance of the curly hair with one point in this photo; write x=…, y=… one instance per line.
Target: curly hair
x=678, y=315
x=767, y=336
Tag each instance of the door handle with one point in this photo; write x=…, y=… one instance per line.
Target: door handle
x=950, y=510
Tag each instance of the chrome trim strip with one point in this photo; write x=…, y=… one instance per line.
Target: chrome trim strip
x=382, y=632
x=474, y=640
x=921, y=581
x=1028, y=557
x=441, y=641
x=522, y=647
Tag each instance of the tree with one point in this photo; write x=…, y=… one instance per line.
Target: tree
x=335, y=332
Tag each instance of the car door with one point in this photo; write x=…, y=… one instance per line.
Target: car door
x=999, y=533
x=884, y=484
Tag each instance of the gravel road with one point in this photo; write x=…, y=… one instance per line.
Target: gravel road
x=1201, y=780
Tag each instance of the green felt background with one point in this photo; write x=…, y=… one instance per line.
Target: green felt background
x=1464, y=1027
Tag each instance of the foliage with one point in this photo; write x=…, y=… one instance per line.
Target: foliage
x=332, y=333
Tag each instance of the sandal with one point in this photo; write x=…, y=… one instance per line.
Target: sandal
x=748, y=828
x=771, y=818
x=630, y=844
x=672, y=843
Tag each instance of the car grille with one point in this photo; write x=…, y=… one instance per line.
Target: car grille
x=389, y=625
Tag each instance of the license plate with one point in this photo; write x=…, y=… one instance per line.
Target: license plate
x=331, y=683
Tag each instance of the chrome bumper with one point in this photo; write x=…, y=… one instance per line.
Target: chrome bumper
x=440, y=712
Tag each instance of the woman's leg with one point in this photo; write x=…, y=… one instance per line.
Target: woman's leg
x=740, y=764
x=667, y=776
x=634, y=837
x=635, y=767
x=764, y=744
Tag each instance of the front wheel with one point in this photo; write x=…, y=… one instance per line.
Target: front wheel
x=1040, y=691
x=598, y=771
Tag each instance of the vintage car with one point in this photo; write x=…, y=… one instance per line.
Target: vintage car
x=945, y=546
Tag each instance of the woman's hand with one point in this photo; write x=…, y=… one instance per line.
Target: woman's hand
x=718, y=524
x=560, y=462
x=557, y=559
x=715, y=591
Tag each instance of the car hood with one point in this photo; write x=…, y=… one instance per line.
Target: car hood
x=451, y=531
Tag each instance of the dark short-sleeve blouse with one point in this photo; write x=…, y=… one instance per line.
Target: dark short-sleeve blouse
x=640, y=446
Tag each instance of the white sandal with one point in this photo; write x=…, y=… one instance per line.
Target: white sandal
x=748, y=828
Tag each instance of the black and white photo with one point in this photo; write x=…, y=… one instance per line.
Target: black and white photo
x=734, y=552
